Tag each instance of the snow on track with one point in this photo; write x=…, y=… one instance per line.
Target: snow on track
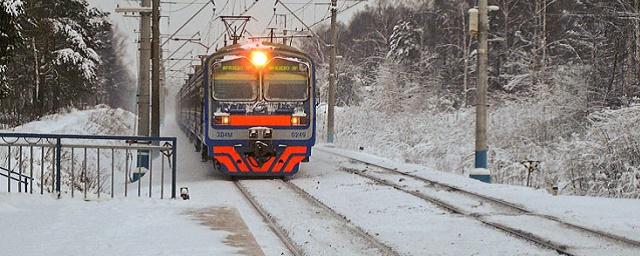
x=315, y=230
x=618, y=217
x=408, y=224
x=542, y=230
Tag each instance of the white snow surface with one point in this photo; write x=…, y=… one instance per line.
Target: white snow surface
x=616, y=216
x=404, y=222
x=37, y=225
x=41, y=225
x=100, y=120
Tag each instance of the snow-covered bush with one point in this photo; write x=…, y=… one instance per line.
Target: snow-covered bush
x=604, y=161
x=582, y=153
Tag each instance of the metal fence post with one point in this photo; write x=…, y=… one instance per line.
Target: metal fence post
x=9, y=170
x=174, y=149
x=58, y=157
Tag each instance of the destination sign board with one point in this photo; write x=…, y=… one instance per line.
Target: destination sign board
x=280, y=65
x=237, y=65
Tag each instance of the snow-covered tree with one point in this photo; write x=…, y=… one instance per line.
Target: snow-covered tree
x=10, y=12
x=56, y=52
x=405, y=42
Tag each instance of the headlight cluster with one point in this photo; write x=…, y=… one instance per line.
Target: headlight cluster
x=221, y=119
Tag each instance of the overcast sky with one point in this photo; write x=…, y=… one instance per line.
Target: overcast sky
x=179, y=11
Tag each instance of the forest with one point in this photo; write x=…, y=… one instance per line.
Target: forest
x=59, y=54
x=564, y=88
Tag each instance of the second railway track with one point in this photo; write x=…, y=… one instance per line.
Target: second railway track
x=496, y=210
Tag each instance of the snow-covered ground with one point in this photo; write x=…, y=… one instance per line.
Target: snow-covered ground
x=219, y=221
x=41, y=225
x=617, y=216
x=133, y=226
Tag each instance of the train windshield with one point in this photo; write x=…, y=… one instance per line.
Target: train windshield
x=286, y=81
x=232, y=82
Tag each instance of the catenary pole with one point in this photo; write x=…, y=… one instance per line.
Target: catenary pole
x=332, y=75
x=637, y=34
x=142, y=160
x=155, y=76
x=144, y=70
x=481, y=171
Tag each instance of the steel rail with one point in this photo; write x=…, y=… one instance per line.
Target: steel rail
x=386, y=250
x=273, y=225
x=599, y=233
x=562, y=249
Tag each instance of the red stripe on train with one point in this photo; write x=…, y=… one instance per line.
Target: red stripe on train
x=260, y=120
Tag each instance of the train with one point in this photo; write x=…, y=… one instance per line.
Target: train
x=250, y=108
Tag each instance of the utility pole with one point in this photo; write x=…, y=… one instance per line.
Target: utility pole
x=144, y=70
x=142, y=161
x=637, y=6
x=155, y=74
x=332, y=74
x=481, y=172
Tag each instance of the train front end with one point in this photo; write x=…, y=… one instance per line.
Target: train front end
x=261, y=110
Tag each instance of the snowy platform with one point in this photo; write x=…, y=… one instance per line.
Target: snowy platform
x=41, y=225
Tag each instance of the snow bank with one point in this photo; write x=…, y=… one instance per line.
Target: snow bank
x=102, y=120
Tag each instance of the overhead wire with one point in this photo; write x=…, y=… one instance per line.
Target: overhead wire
x=303, y=6
x=213, y=18
x=269, y=23
x=185, y=7
x=185, y=24
x=224, y=31
x=339, y=11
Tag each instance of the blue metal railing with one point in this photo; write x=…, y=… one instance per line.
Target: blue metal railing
x=25, y=180
x=56, y=148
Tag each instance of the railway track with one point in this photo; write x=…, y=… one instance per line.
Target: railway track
x=283, y=235
x=271, y=222
x=499, y=208
x=386, y=250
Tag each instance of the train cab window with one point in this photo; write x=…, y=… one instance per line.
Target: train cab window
x=234, y=80
x=286, y=87
x=286, y=81
x=235, y=87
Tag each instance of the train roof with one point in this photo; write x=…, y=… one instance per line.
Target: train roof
x=231, y=49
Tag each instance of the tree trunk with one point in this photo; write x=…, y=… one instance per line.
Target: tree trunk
x=543, y=44
x=36, y=68
x=465, y=83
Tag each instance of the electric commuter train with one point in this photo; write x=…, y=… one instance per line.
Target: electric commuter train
x=251, y=109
